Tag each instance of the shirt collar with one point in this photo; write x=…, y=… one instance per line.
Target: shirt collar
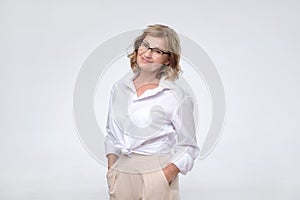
x=130, y=76
x=163, y=84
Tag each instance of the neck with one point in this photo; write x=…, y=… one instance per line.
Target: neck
x=146, y=77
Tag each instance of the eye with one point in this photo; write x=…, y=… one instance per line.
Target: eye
x=158, y=51
x=144, y=45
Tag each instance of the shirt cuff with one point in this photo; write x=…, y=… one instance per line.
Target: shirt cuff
x=110, y=149
x=184, y=163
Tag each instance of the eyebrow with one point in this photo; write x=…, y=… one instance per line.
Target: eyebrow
x=146, y=41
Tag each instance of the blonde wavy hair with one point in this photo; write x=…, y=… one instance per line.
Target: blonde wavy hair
x=172, y=71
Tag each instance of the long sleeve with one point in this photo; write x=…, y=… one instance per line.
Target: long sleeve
x=186, y=148
x=110, y=139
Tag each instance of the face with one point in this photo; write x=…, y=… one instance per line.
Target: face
x=152, y=60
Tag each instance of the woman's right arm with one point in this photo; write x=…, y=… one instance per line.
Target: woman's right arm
x=111, y=151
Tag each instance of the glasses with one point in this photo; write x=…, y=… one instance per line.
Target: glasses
x=156, y=52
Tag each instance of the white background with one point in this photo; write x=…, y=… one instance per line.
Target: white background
x=254, y=45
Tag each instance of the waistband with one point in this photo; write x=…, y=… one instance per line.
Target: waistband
x=137, y=163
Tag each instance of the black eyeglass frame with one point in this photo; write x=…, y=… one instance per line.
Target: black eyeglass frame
x=153, y=48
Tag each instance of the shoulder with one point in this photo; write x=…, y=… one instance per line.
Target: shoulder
x=123, y=81
x=124, y=87
x=180, y=88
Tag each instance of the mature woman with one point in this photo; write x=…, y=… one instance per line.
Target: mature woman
x=150, y=126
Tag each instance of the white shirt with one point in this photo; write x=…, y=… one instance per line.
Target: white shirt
x=160, y=121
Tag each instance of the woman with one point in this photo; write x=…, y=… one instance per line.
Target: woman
x=150, y=126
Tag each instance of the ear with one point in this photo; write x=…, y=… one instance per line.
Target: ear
x=167, y=63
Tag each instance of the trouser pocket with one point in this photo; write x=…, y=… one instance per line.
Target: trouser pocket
x=111, y=177
x=164, y=178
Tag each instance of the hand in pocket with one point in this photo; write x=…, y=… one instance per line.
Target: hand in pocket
x=170, y=172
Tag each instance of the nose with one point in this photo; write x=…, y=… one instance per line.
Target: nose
x=148, y=53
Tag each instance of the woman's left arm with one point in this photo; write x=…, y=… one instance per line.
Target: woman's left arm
x=186, y=148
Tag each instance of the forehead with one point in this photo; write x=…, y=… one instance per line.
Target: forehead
x=155, y=42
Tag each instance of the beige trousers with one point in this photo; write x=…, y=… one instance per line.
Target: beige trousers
x=140, y=177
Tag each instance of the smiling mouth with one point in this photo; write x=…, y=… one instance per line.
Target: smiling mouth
x=145, y=60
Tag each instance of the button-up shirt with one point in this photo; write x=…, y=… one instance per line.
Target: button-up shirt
x=160, y=121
